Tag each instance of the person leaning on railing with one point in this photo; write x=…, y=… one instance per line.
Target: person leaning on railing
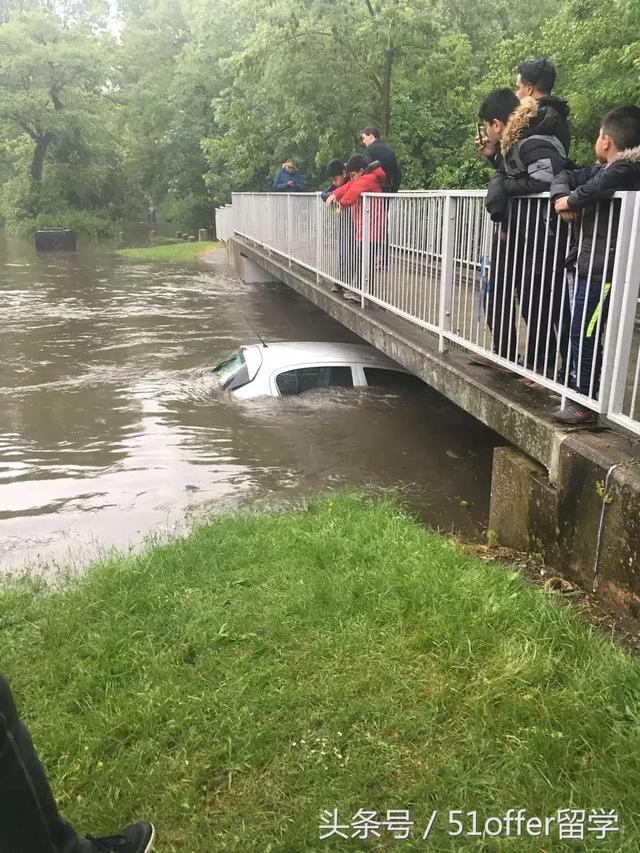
x=365, y=178
x=527, y=157
x=587, y=193
x=337, y=175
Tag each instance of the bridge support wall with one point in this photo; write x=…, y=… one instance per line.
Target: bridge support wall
x=587, y=525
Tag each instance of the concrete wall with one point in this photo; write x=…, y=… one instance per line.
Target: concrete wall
x=587, y=524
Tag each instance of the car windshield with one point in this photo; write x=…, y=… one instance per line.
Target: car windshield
x=227, y=369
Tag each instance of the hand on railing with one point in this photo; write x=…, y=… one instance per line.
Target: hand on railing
x=563, y=210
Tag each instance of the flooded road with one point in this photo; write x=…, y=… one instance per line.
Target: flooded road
x=111, y=427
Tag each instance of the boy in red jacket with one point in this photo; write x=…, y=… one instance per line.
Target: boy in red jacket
x=365, y=178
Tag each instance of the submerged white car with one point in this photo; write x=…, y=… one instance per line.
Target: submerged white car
x=281, y=369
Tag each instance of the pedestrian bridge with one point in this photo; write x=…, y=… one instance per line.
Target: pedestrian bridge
x=494, y=341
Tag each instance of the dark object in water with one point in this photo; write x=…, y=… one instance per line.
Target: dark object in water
x=56, y=240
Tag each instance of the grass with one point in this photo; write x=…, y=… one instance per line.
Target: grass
x=181, y=252
x=234, y=684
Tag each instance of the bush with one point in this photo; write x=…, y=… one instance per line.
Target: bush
x=187, y=213
x=18, y=199
x=85, y=222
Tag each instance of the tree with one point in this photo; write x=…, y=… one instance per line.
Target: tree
x=52, y=81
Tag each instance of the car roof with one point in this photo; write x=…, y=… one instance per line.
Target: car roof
x=283, y=353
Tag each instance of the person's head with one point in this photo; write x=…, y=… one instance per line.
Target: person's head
x=535, y=78
x=369, y=135
x=620, y=129
x=336, y=172
x=356, y=165
x=289, y=166
x=495, y=109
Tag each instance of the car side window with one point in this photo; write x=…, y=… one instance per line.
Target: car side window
x=381, y=377
x=305, y=378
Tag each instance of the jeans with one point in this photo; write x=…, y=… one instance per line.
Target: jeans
x=586, y=333
x=29, y=819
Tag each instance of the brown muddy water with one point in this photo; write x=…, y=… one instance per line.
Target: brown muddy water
x=111, y=427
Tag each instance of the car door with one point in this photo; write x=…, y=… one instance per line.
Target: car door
x=305, y=377
x=390, y=377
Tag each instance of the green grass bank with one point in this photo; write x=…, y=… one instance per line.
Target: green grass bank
x=180, y=252
x=233, y=684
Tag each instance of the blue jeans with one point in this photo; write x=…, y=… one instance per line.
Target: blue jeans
x=586, y=333
x=29, y=819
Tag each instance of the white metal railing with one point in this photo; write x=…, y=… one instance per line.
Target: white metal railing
x=224, y=227
x=506, y=293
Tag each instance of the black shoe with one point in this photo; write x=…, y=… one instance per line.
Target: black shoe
x=137, y=838
x=575, y=415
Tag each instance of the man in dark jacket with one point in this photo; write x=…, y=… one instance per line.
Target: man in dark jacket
x=587, y=193
x=288, y=179
x=536, y=78
x=527, y=242
x=375, y=149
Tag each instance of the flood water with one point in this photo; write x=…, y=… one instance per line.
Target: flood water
x=111, y=427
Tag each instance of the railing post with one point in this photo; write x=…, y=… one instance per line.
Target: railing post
x=289, y=225
x=446, y=269
x=365, y=248
x=622, y=308
x=319, y=212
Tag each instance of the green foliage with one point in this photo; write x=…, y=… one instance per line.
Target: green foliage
x=210, y=96
x=184, y=213
x=84, y=222
x=18, y=198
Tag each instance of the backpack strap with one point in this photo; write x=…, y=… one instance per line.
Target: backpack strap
x=513, y=155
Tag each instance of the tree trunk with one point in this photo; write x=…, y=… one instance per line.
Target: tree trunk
x=37, y=164
x=385, y=110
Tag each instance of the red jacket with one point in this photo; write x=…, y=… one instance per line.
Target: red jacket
x=350, y=195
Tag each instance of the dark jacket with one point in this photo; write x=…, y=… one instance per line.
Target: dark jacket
x=330, y=189
x=589, y=191
x=528, y=160
x=327, y=191
x=554, y=113
x=381, y=152
x=281, y=182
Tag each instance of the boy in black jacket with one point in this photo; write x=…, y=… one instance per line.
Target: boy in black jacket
x=527, y=158
x=586, y=192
